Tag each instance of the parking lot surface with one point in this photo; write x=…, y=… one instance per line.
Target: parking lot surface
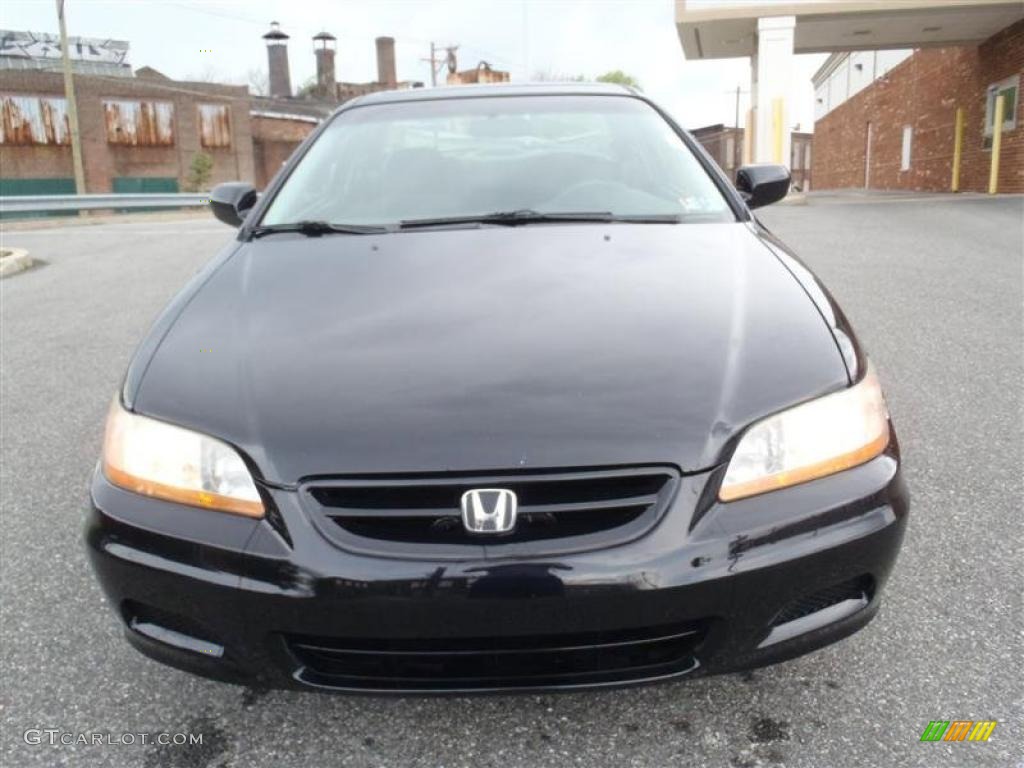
x=934, y=288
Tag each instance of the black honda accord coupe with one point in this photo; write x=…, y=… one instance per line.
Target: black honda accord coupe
x=497, y=388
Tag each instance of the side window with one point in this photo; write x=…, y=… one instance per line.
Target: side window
x=1009, y=89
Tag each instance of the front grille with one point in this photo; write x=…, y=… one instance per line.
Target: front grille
x=583, y=509
x=582, y=659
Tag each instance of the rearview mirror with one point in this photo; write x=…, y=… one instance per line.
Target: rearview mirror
x=232, y=201
x=762, y=184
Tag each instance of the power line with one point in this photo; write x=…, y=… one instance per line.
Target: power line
x=500, y=61
x=195, y=8
x=263, y=23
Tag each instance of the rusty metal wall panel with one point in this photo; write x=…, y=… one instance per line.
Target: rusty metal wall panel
x=140, y=123
x=31, y=120
x=214, y=125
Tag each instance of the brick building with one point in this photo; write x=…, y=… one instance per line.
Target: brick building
x=139, y=134
x=725, y=144
x=282, y=121
x=481, y=73
x=278, y=126
x=141, y=130
x=886, y=120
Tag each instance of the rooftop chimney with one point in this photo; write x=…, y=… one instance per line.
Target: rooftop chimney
x=323, y=49
x=386, y=62
x=277, y=61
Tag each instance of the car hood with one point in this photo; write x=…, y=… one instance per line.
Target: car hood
x=490, y=349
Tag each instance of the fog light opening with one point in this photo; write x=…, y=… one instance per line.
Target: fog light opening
x=170, y=629
x=820, y=608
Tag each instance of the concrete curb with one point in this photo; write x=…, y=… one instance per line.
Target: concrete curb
x=794, y=198
x=13, y=261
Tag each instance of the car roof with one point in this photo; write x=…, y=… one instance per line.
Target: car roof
x=492, y=89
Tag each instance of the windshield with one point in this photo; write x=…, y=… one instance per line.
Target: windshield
x=386, y=164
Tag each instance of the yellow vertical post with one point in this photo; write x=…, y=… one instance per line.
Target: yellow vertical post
x=778, y=128
x=997, y=143
x=748, y=138
x=958, y=148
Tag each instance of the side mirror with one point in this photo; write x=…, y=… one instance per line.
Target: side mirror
x=232, y=201
x=762, y=184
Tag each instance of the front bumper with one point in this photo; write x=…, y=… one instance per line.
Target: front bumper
x=749, y=583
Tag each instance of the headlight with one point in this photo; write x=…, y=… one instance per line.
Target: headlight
x=167, y=462
x=812, y=440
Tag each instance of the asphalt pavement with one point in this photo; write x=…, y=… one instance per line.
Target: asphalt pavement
x=933, y=286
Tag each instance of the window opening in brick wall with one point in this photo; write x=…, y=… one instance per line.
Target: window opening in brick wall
x=1010, y=90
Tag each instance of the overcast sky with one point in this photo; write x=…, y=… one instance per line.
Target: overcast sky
x=567, y=37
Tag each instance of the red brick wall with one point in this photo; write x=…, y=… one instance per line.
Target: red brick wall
x=1001, y=56
x=924, y=91
x=273, y=141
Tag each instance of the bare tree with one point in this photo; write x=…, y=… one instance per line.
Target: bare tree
x=209, y=74
x=259, y=83
x=307, y=89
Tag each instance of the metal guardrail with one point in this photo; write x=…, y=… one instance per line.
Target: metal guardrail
x=32, y=203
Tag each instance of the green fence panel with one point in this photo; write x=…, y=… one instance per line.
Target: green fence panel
x=138, y=185
x=53, y=186
x=135, y=185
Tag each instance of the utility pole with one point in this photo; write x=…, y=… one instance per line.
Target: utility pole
x=433, y=64
x=69, y=96
x=736, y=122
x=437, y=62
x=739, y=150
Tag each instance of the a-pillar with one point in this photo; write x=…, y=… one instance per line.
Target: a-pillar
x=772, y=74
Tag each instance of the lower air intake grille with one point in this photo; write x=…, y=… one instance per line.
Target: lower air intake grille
x=557, y=510
x=583, y=659
x=855, y=589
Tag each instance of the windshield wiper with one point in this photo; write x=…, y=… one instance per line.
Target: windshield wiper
x=528, y=216
x=317, y=228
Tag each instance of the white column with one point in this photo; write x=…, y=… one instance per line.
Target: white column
x=772, y=73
